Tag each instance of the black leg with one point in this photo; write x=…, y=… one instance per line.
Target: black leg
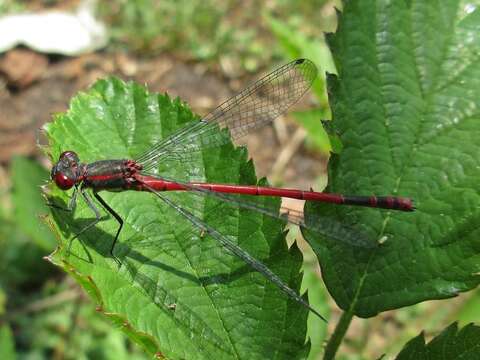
x=92, y=206
x=117, y=217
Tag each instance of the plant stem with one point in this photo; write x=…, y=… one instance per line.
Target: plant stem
x=338, y=335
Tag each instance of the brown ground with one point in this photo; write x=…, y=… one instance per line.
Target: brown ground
x=34, y=86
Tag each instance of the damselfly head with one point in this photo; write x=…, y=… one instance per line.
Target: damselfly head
x=65, y=172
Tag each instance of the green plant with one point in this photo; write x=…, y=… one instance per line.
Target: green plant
x=10, y=6
x=407, y=112
x=7, y=346
x=177, y=289
x=42, y=315
x=229, y=33
x=296, y=44
x=399, y=102
x=450, y=344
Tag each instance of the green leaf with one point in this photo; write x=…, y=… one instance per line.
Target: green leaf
x=56, y=320
x=27, y=177
x=449, y=345
x=177, y=286
x=336, y=145
x=7, y=345
x=406, y=104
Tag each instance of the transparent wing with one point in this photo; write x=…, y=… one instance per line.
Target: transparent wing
x=188, y=321
x=190, y=213
x=254, y=107
x=191, y=205
x=351, y=233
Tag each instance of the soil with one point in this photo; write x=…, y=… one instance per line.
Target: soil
x=35, y=86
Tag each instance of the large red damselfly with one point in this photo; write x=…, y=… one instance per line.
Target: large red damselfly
x=254, y=107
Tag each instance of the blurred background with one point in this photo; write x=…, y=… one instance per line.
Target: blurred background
x=202, y=51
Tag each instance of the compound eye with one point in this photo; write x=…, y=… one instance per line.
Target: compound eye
x=63, y=181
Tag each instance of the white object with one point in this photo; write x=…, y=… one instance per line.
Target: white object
x=54, y=31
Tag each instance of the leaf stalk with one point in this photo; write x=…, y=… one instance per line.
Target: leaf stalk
x=338, y=335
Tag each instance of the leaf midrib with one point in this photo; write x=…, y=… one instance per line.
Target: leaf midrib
x=407, y=164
